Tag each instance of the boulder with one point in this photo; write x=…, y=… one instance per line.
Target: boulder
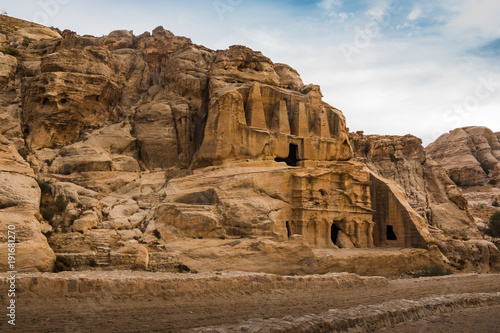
x=125, y=163
x=194, y=222
x=142, y=260
x=129, y=235
x=130, y=247
x=88, y=220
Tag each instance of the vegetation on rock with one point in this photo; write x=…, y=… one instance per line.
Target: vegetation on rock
x=10, y=51
x=433, y=270
x=48, y=206
x=494, y=225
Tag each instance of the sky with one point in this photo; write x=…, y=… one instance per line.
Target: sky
x=393, y=67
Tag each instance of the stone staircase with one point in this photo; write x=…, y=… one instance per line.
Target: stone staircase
x=103, y=253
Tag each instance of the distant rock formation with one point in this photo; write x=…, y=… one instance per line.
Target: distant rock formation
x=432, y=195
x=471, y=155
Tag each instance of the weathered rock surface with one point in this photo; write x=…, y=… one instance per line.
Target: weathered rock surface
x=154, y=153
x=471, y=155
x=146, y=284
x=8, y=66
x=434, y=198
x=76, y=89
x=429, y=190
x=19, y=203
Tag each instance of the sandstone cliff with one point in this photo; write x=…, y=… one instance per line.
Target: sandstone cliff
x=109, y=124
x=151, y=152
x=431, y=194
x=471, y=155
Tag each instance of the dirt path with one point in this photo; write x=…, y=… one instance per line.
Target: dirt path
x=173, y=315
x=482, y=320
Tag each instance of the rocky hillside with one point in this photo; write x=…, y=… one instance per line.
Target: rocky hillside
x=471, y=155
x=151, y=152
x=430, y=192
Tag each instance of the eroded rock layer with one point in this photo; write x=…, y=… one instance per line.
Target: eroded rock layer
x=150, y=152
x=433, y=198
x=471, y=155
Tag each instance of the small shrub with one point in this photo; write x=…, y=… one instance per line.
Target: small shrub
x=495, y=203
x=433, y=270
x=44, y=187
x=48, y=213
x=79, y=205
x=494, y=226
x=61, y=203
x=62, y=264
x=10, y=51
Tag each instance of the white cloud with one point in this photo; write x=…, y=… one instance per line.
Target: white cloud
x=340, y=17
x=379, y=10
x=476, y=18
x=330, y=4
x=263, y=39
x=415, y=14
x=331, y=7
x=406, y=25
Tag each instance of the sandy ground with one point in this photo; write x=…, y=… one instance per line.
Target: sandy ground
x=172, y=315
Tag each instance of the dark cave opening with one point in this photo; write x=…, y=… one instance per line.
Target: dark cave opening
x=390, y=233
x=292, y=158
x=334, y=233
